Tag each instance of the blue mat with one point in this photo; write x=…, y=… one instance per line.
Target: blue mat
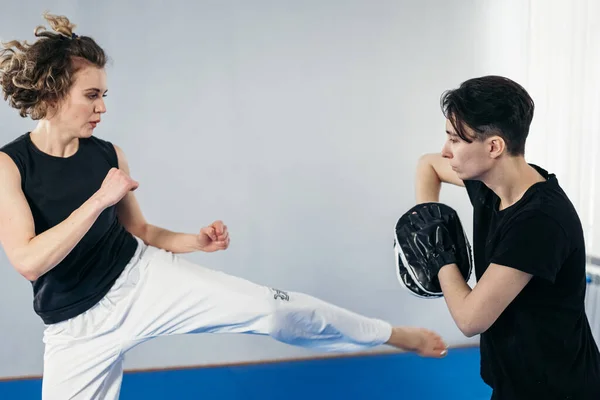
x=399, y=376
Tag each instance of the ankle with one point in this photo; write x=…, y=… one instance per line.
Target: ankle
x=402, y=337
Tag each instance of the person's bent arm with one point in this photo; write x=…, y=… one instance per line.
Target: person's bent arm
x=475, y=310
x=132, y=218
x=34, y=255
x=432, y=170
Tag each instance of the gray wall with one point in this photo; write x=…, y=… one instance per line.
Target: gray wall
x=297, y=123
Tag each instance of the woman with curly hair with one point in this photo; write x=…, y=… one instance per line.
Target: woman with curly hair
x=104, y=279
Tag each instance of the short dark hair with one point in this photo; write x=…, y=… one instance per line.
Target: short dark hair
x=34, y=76
x=490, y=105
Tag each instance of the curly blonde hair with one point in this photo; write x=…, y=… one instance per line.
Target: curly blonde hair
x=36, y=76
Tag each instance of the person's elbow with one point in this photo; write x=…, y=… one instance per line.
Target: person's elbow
x=426, y=163
x=27, y=270
x=27, y=265
x=472, y=326
x=469, y=330
x=139, y=229
x=31, y=276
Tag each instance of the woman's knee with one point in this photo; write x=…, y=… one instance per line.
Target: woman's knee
x=291, y=322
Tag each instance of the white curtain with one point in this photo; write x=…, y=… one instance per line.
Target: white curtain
x=563, y=77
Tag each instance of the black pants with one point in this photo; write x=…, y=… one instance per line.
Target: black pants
x=496, y=395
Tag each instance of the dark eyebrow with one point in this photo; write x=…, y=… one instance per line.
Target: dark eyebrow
x=96, y=90
x=451, y=133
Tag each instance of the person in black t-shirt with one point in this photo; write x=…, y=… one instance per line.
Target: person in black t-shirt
x=528, y=245
x=104, y=279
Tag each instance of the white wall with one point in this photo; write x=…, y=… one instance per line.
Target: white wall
x=297, y=123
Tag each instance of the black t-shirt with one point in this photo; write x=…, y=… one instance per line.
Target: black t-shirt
x=541, y=346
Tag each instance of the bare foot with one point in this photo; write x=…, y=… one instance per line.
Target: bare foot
x=419, y=340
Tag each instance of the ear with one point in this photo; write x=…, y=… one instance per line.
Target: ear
x=496, y=146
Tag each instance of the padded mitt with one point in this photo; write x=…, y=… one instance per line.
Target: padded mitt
x=429, y=236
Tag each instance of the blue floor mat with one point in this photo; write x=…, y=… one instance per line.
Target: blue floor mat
x=399, y=376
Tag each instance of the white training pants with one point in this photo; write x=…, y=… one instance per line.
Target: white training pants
x=160, y=293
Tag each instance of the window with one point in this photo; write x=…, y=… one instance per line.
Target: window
x=563, y=77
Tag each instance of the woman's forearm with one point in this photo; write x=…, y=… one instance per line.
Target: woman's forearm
x=49, y=248
x=174, y=242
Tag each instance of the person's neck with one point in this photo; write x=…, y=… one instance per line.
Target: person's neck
x=50, y=139
x=511, y=179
